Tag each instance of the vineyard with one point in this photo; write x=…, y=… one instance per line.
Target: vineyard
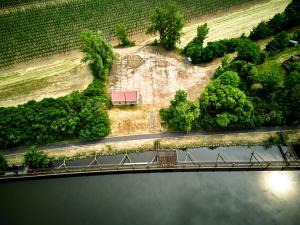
x=46, y=29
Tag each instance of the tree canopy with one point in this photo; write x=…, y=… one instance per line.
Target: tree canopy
x=98, y=52
x=168, y=22
x=182, y=113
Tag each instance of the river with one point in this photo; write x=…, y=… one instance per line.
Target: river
x=173, y=198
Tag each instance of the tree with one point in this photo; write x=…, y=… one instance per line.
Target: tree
x=168, y=23
x=249, y=51
x=182, y=113
x=3, y=163
x=292, y=13
x=122, y=35
x=202, y=32
x=279, y=43
x=277, y=23
x=225, y=106
x=98, y=52
x=229, y=78
x=36, y=159
x=261, y=31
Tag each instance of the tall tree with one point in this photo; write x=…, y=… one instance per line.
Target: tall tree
x=98, y=52
x=168, y=22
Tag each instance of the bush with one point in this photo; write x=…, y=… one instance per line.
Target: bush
x=261, y=31
x=35, y=159
x=3, y=164
x=279, y=43
x=213, y=50
x=122, y=35
x=249, y=51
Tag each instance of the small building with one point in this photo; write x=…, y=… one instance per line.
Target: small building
x=124, y=97
x=293, y=43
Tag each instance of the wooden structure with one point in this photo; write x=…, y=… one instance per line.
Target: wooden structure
x=167, y=159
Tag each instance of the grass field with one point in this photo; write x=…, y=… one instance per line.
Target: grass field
x=53, y=78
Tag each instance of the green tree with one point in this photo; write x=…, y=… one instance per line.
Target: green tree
x=277, y=23
x=225, y=106
x=3, y=163
x=261, y=31
x=249, y=51
x=279, y=43
x=122, y=35
x=168, y=22
x=229, y=78
x=98, y=52
x=36, y=159
x=182, y=113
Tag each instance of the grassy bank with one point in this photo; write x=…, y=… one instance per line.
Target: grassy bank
x=211, y=141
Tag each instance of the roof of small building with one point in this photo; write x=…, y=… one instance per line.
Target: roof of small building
x=124, y=96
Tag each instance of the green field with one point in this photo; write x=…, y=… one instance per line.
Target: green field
x=48, y=28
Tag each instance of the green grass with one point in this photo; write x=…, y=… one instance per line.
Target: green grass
x=274, y=64
x=46, y=28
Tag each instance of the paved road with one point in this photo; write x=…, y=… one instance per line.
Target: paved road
x=63, y=145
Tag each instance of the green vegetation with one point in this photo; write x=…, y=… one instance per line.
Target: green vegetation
x=35, y=159
x=49, y=28
x=182, y=113
x=79, y=115
x=245, y=95
x=168, y=23
x=122, y=35
x=98, y=52
x=3, y=163
x=247, y=49
x=281, y=21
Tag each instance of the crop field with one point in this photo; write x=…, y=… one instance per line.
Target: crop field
x=48, y=28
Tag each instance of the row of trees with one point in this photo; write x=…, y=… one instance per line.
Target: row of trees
x=281, y=21
x=79, y=115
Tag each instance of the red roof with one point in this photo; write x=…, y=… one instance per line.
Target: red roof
x=124, y=96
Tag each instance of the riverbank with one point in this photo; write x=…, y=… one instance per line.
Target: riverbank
x=249, y=138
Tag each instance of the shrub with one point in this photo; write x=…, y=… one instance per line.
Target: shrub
x=249, y=51
x=279, y=43
x=3, y=163
x=122, y=35
x=36, y=159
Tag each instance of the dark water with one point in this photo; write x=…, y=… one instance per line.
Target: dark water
x=155, y=198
